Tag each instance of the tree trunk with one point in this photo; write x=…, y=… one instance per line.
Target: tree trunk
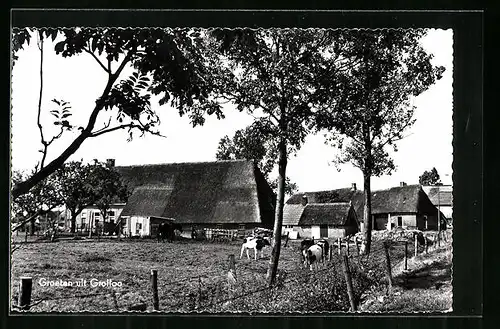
x=278, y=221
x=73, y=222
x=91, y=222
x=367, y=215
x=32, y=226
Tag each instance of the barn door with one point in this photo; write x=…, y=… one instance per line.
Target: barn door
x=323, y=231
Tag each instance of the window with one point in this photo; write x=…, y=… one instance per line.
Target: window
x=84, y=214
x=400, y=221
x=138, y=227
x=242, y=226
x=97, y=215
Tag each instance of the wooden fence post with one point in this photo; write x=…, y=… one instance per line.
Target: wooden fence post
x=154, y=287
x=416, y=244
x=339, y=245
x=25, y=286
x=388, y=265
x=286, y=240
x=406, y=255
x=348, y=280
x=26, y=235
x=231, y=275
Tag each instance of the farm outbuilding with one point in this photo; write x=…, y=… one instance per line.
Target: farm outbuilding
x=328, y=220
x=221, y=194
x=91, y=218
x=441, y=197
x=328, y=206
x=405, y=206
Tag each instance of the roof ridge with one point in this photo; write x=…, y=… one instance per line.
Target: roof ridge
x=184, y=163
x=346, y=203
x=332, y=190
x=154, y=187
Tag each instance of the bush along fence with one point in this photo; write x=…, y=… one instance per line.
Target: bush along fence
x=336, y=285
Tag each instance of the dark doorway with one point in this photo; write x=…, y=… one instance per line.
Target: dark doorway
x=323, y=231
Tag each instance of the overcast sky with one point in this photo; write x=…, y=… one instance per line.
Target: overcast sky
x=80, y=80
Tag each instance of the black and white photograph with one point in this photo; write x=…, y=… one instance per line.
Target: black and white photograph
x=244, y=170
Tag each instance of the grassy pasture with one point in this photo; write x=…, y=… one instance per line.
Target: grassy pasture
x=180, y=265
x=194, y=273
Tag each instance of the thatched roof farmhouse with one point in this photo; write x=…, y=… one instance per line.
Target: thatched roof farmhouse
x=403, y=206
x=442, y=197
x=227, y=194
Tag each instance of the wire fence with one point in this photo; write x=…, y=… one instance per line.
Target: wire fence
x=213, y=291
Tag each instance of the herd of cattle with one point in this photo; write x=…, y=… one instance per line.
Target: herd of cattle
x=312, y=252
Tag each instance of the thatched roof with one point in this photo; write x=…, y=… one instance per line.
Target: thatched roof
x=325, y=213
x=292, y=213
x=400, y=199
x=201, y=192
x=445, y=194
x=147, y=201
x=293, y=207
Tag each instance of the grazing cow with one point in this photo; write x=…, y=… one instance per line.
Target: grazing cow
x=167, y=231
x=323, y=243
x=314, y=255
x=304, y=245
x=256, y=243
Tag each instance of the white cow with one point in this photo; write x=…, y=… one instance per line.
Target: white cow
x=314, y=255
x=255, y=243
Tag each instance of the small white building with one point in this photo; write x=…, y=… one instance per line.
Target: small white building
x=91, y=218
x=144, y=210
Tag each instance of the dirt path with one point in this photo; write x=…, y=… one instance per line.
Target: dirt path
x=425, y=286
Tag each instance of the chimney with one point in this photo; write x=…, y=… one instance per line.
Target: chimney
x=304, y=200
x=110, y=162
x=402, y=184
x=353, y=186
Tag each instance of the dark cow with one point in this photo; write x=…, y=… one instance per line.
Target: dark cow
x=325, y=247
x=167, y=230
x=304, y=245
x=256, y=243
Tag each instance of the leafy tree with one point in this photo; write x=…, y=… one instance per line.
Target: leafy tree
x=72, y=184
x=40, y=200
x=373, y=108
x=169, y=63
x=276, y=77
x=250, y=144
x=107, y=188
x=430, y=178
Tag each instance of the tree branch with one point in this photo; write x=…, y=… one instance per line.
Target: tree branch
x=128, y=125
x=23, y=187
x=39, y=124
x=97, y=60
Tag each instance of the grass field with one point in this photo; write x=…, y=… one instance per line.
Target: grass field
x=193, y=273
x=180, y=266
